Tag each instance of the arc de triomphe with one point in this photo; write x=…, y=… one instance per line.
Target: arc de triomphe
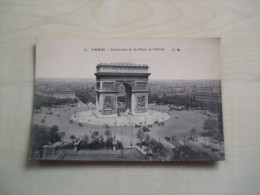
x=108, y=79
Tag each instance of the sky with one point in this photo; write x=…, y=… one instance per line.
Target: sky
x=167, y=58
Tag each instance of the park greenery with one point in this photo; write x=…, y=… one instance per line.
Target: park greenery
x=42, y=101
x=140, y=135
x=155, y=149
x=193, y=130
x=43, y=135
x=85, y=96
x=183, y=153
x=213, y=130
x=158, y=151
x=95, y=141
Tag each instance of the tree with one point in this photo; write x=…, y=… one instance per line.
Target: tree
x=95, y=144
x=192, y=131
x=183, y=153
x=140, y=134
x=102, y=141
x=147, y=138
x=42, y=101
x=39, y=138
x=85, y=95
x=54, y=136
x=219, y=135
x=146, y=129
x=156, y=146
x=84, y=142
x=210, y=124
x=159, y=152
x=42, y=135
x=85, y=139
x=107, y=133
x=109, y=143
x=119, y=145
x=94, y=134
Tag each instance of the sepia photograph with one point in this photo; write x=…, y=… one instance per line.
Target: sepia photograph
x=127, y=100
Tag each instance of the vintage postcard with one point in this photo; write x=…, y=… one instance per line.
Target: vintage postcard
x=127, y=100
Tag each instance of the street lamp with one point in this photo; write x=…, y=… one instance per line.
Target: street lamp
x=121, y=142
x=131, y=143
x=121, y=134
x=163, y=113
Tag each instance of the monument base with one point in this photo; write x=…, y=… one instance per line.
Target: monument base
x=107, y=116
x=150, y=117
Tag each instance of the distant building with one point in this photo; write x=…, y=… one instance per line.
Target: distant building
x=59, y=94
x=160, y=95
x=173, y=91
x=207, y=94
x=179, y=91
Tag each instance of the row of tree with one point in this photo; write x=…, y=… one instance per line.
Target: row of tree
x=187, y=101
x=213, y=129
x=97, y=142
x=184, y=100
x=85, y=96
x=42, y=101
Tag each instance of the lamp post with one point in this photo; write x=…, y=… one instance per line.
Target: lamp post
x=163, y=113
x=121, y=142
x=131, y=143
x=121, y=133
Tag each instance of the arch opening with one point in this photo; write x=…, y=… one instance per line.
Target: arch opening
x=124, y=98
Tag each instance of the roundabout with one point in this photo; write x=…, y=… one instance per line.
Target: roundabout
x=150, y=117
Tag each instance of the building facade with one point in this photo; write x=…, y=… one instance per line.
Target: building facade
x=207, y=95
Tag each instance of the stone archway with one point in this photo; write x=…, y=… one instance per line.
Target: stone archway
x=128, y=96
x=133, y=76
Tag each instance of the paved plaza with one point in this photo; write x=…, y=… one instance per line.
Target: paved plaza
x=173, y=126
